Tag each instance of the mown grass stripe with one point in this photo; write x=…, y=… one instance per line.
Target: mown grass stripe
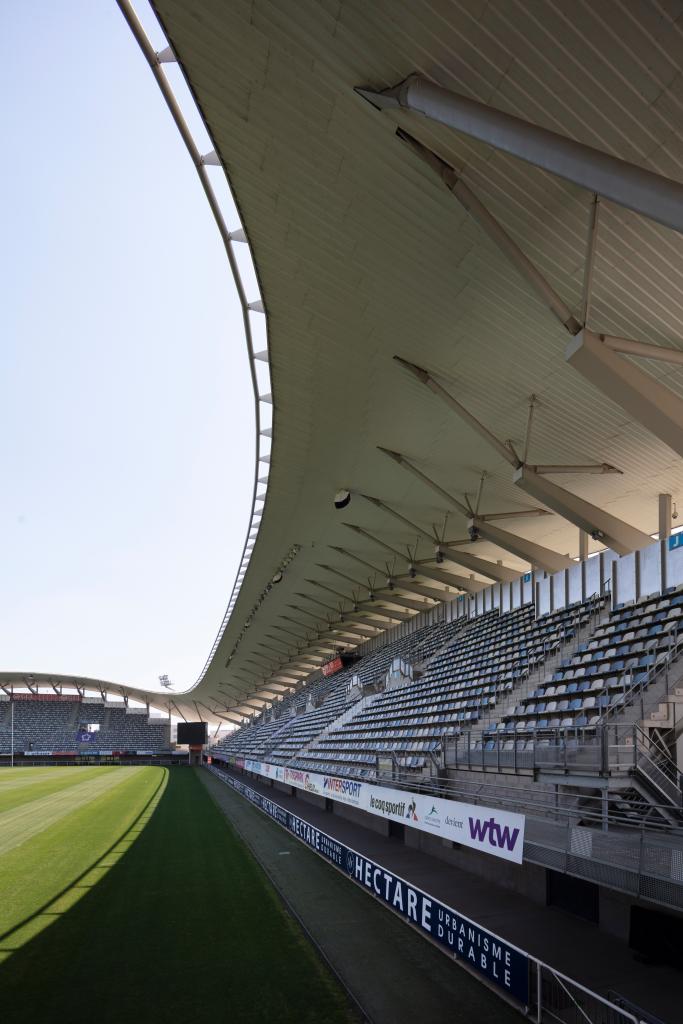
x=28, y=819
x=22, y=789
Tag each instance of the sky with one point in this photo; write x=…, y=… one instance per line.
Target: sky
x=125, y=394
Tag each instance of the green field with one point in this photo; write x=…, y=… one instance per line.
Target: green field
x=125, y=895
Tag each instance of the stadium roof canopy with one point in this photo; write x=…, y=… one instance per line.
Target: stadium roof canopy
x=417, y=231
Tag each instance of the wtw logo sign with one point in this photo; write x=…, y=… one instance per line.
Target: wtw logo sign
x=502, y=837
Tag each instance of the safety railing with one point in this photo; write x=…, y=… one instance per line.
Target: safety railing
x=547, y=803
x=632, y=850
x=548, y=994
x=604, y=750
x=555, y=997
x=636, y=685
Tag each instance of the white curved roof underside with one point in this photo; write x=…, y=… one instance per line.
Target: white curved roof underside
x=362, y=255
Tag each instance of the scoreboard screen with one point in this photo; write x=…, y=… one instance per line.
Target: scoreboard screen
x=192, y=733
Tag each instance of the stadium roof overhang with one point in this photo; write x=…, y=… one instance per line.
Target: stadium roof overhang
x=427, y=267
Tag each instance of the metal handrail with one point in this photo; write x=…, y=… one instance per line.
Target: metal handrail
x=662, y=663
x=574, y=990
x=523, y=797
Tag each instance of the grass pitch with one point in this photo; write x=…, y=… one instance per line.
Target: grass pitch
x=126, y=896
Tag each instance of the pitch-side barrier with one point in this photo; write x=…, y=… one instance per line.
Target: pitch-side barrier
x=532, y=986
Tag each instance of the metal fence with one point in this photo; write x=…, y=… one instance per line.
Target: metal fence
x=579, y=834
x=555, y=997
x=552, y=996
x=614, y=749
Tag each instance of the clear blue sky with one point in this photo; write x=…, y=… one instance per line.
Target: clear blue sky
x=126, y=482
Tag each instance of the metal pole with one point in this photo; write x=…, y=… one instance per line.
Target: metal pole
x=640, y=348
x=12, y=739
x=590, y=258
x=494, y=229
x=624, y=183
x=605, y=808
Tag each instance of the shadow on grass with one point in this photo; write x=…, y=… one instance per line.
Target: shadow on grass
x=181, y=928
x=129, y=834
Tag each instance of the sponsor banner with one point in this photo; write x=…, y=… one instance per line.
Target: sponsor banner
x=38, y=753
x=489, y=830
x=502, y=964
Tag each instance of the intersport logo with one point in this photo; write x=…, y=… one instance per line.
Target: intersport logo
x=496, y=835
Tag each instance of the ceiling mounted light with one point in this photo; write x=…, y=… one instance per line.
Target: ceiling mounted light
x=342, y=499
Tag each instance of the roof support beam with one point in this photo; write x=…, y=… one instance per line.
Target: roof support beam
x=346, y=634
x=318, y=619
x=295, y=673
x=602, y=526
x=361, y=561
x=179, y=711
x=526, y=513
x=496, y=232
x=283, y=655
x=624, y=183
x=566, y=504
x=504, y=540
x=465, y=583
x=331, y=590
x=442, y=576
x=382, y=618
x=369, y=605
x=258, y=706
x=384, y=597
x=499, y=573
x=299, y=637
x=376, y=540
x=265, y=665
x=538, y=555
x=353, y=614
x=644, y=398
x=327, y=647
x=503, y=450
x=401, y=582
x=419, y=589
x=238, y=694
x=232, y=717
x=431, y=537
x=360, y=626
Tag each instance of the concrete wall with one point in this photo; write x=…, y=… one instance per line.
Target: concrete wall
x=527, y=879
x=312, y=798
